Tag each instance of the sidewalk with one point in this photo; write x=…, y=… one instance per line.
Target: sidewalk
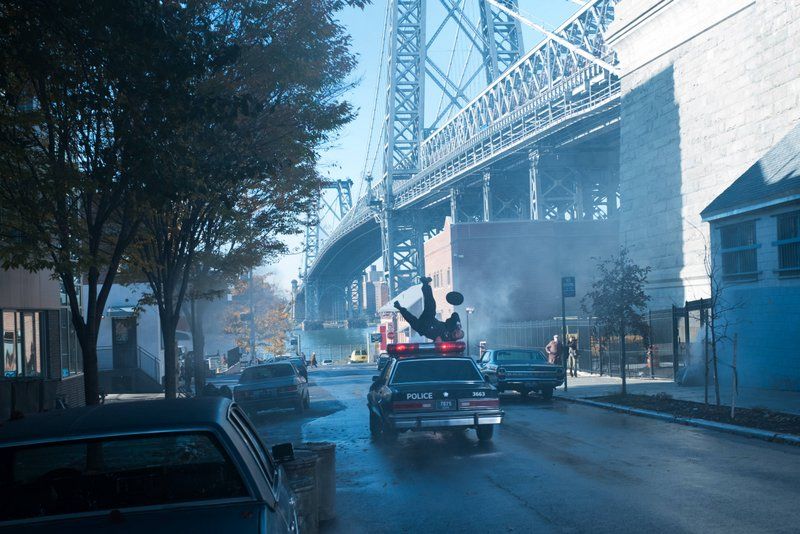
x=588, y=385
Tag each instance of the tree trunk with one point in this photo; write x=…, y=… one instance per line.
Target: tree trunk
x=622, y=359
x=714, y=357
x=198, y=345
x=170, y=358
x=705, y=363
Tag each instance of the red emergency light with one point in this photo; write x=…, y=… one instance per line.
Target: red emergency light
x=409, y=349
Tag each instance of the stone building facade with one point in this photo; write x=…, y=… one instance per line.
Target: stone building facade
x=708, y=88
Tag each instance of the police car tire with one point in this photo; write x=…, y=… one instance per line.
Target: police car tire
x=307, y=402
x=485, y=432
x=300, y=406
x=547, y=393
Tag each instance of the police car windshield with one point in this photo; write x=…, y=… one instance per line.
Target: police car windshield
x=519, y=356
x=252, y=374
x=440, y=370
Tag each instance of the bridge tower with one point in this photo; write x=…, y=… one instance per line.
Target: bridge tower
x=329, y=207
x=497, y=39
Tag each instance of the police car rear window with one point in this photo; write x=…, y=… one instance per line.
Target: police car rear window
x=435, y=371
x=252, y=374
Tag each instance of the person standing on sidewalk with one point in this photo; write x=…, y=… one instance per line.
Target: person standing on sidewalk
x=553, y=350
x=313, y=359
x=572, y=362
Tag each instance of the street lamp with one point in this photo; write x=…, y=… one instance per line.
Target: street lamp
x=470, y=310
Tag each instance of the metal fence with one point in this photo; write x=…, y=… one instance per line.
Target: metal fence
x=599, y=352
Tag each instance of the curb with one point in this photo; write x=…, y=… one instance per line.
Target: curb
x=765, y=435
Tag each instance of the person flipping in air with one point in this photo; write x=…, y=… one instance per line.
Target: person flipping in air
x=427, y=324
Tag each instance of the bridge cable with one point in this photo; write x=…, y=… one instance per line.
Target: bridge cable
x=375, y=102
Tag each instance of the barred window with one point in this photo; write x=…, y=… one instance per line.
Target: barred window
x=738, y=249
x=788, y=243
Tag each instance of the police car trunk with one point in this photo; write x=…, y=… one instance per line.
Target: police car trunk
x=434, y=387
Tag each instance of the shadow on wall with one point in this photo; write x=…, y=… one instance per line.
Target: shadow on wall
x=651, y=221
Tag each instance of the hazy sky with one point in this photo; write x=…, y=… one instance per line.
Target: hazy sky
x=346, y=156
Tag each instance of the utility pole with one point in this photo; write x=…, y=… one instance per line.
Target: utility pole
x=567, y=290
x=252, y=320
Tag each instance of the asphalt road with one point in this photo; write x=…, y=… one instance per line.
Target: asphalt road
x=552, y=467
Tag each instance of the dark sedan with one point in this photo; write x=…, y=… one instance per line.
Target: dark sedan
x=521, y=370
x=272, y=385
x=187, y=465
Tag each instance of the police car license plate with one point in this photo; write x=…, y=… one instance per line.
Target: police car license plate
x=445, y=404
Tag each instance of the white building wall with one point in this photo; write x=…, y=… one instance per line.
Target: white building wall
x=764, y=314
x=148, y=331
x=708, y=88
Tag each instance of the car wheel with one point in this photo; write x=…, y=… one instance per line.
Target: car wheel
x=374, y=425
x=299, y=407
x=547, y=393
x=485, y=432
x=389, y=434
x=524, y=392
x=307, y=403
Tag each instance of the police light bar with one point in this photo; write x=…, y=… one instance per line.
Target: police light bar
x=408, y=349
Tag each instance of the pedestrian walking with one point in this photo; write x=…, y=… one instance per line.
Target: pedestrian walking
x=553, y=350
x=313, y=359
x=572, y=362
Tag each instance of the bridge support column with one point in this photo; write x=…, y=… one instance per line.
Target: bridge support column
x=454, y=201
x=535, y=185
x=487, y=196
x=311, y=294
x=403, y=252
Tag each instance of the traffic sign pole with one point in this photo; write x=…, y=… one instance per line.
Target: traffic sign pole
x=567, y=290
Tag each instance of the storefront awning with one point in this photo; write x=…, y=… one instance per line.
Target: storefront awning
x=122, y=311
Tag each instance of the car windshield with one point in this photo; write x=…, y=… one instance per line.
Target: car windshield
x=520, y=356
x=264, y=372
x=443, y=370
x=113, y=473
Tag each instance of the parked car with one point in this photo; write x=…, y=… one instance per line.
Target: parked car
x=383, y=359
x=299, y=362
x=521, y=370
x=431, y=386
x=327, y=361
x=185, y=465
x=358, y=356
x=272, y=385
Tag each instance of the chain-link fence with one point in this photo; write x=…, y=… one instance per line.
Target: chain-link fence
x=650, y=354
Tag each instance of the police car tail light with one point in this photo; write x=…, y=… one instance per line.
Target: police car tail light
x=447, y=347
x=399, y=349
x=409, y=406
x=287, y=389
x=481, y=404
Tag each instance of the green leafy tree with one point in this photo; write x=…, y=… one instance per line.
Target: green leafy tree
x=82, y=96
x=264, y=95
x=618, y=300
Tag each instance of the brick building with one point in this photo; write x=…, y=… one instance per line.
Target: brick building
x=41, y=358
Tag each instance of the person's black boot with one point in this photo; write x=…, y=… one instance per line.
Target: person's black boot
x=425, y=279
x=397, y=304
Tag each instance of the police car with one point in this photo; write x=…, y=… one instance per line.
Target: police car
x=431, y=386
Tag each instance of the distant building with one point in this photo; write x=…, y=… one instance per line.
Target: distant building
x=375, y=291
x=755, y=243
x=42, y=360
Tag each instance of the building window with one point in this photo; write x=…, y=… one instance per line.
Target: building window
x=448, y=277
x=788, y=244
x=738, y=249
x=22, y=344
x=71, y=355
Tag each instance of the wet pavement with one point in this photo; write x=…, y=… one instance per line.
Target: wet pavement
x=551, y=467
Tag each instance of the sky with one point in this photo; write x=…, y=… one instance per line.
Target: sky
x=346, y=155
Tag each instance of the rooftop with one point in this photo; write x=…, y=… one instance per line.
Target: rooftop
x=117, y=418
x=773, y=179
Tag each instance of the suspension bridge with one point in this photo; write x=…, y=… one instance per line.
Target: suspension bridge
x=539, y=142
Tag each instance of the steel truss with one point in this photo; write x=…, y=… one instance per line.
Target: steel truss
x=548, y=89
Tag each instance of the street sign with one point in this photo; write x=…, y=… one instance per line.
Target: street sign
x=389, y=335
x=568, y=286
x=375, y=337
